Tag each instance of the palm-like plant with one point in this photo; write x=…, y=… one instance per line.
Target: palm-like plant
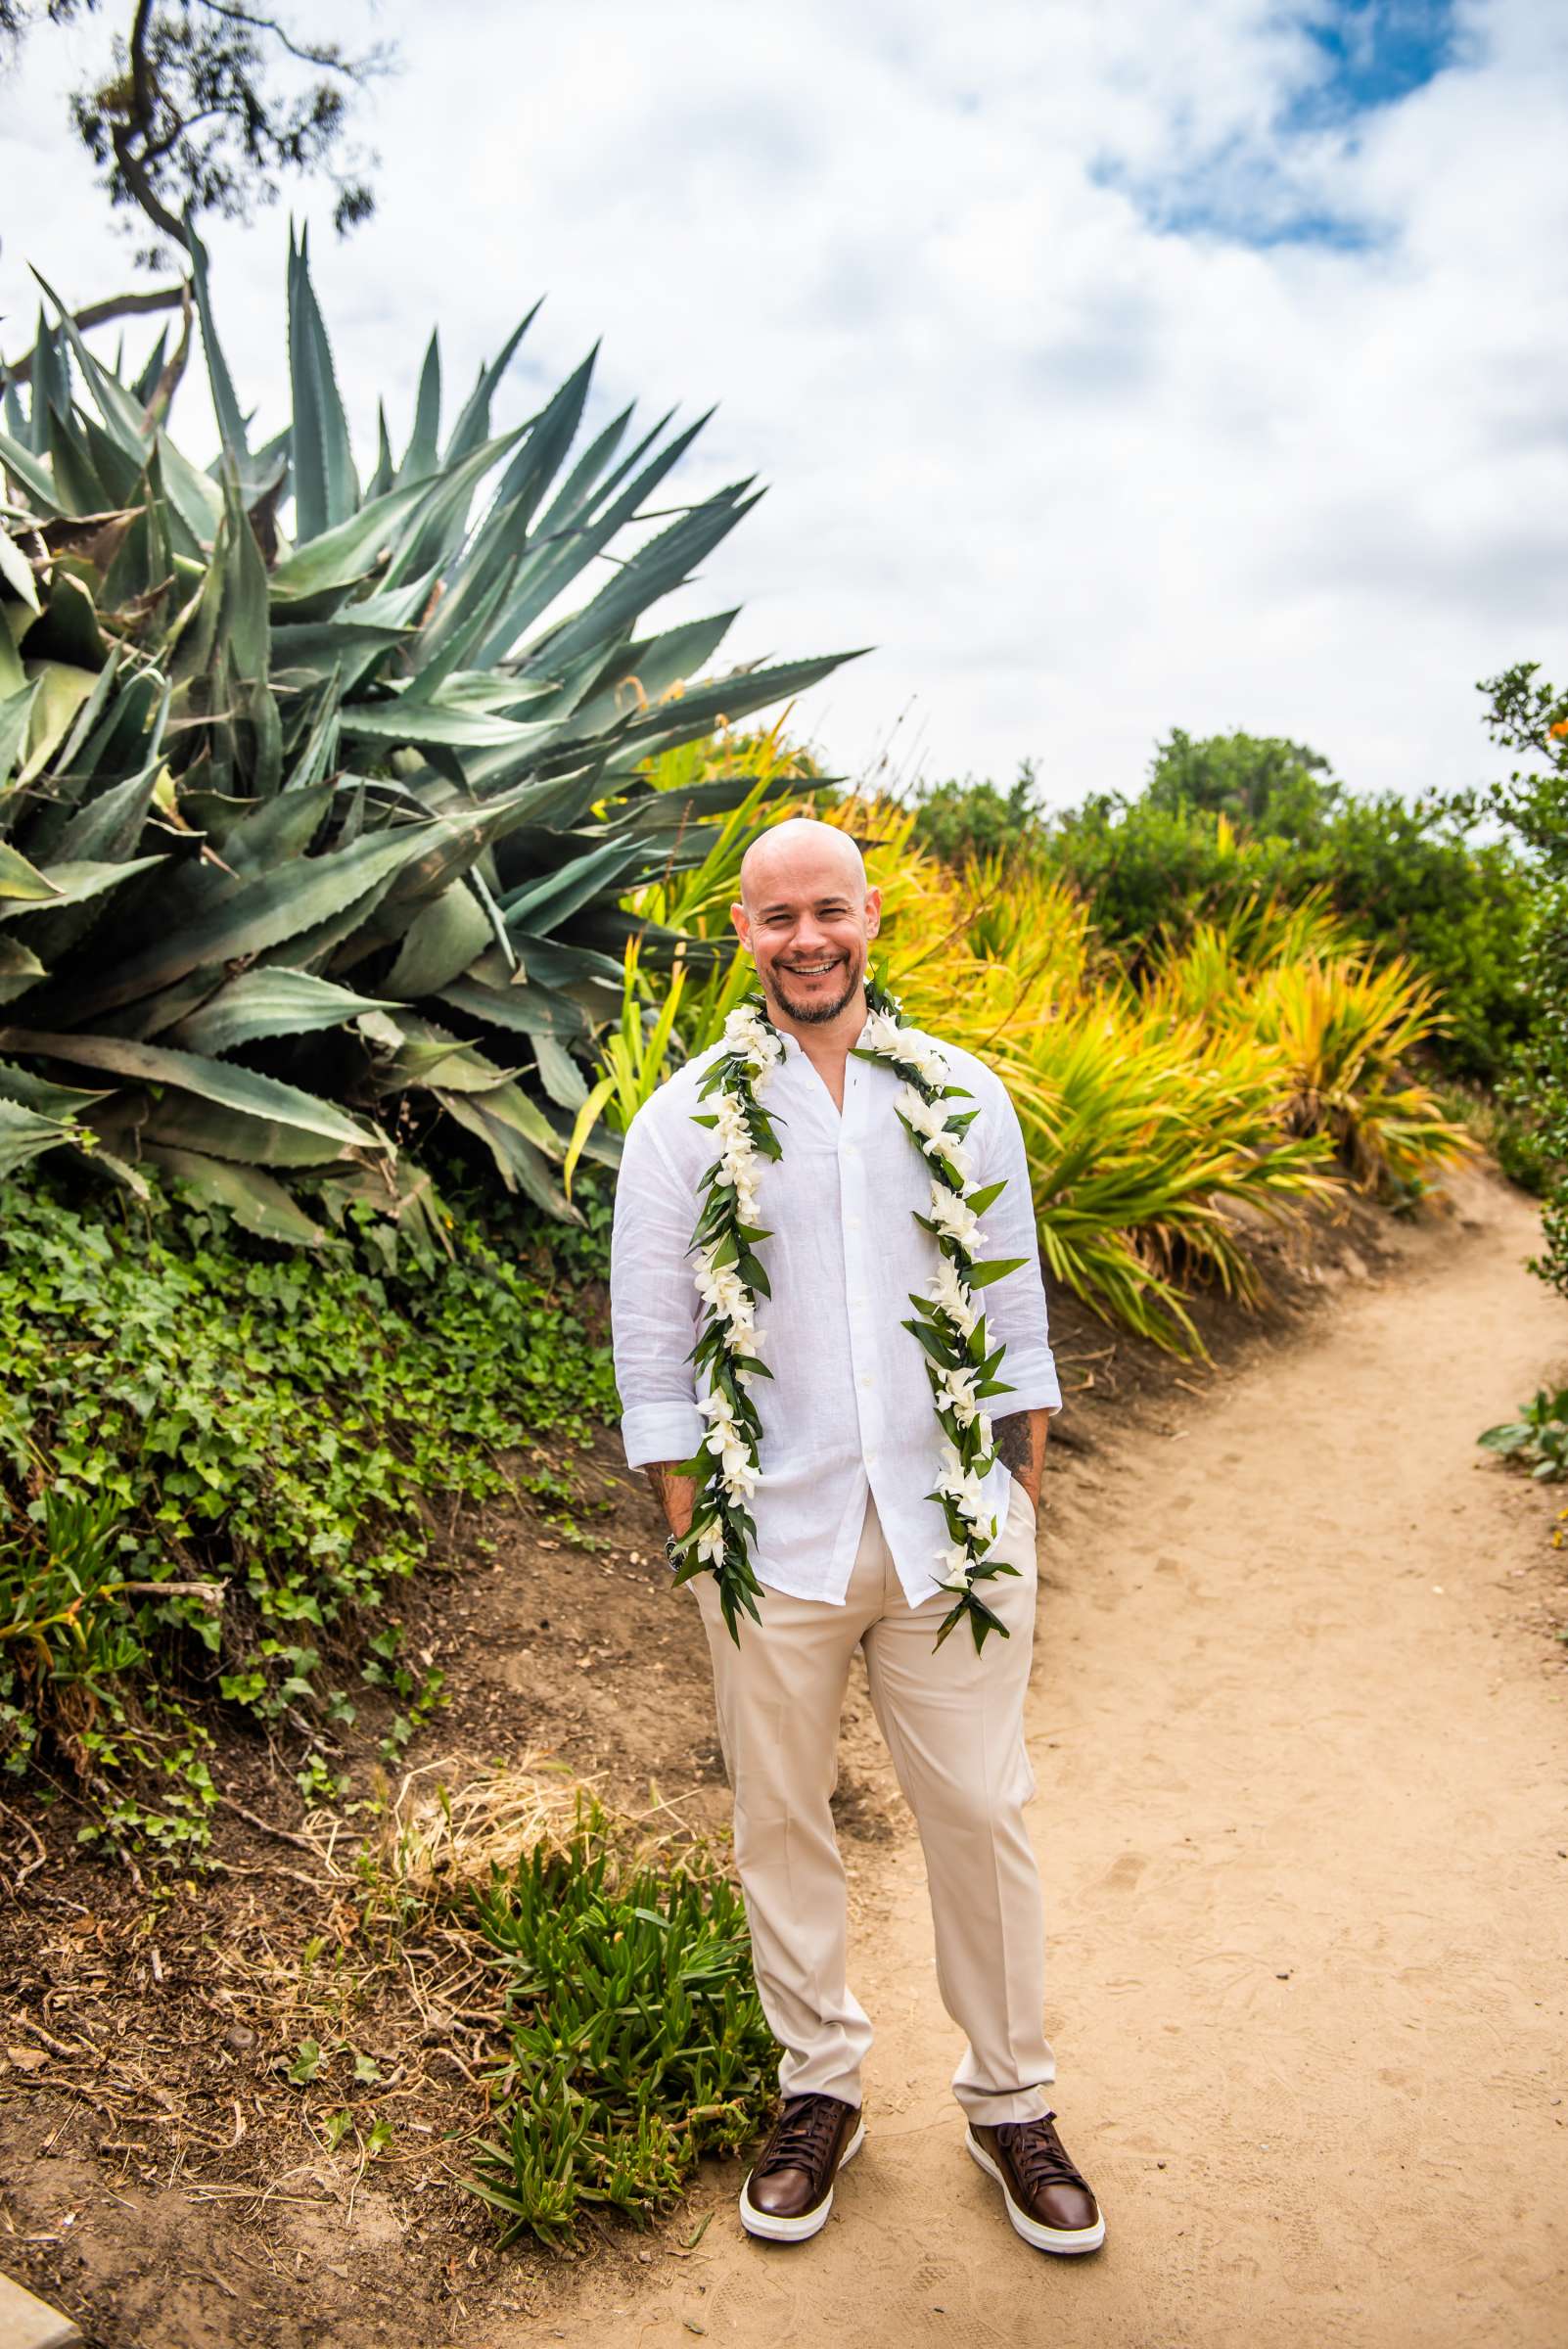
x=303, y=829
x=1347, y=1028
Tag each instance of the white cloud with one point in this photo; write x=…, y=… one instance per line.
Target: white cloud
x=1078, y=480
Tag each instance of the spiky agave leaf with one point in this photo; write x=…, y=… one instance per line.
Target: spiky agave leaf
x=320, y=793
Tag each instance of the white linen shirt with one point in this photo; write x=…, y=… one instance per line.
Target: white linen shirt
x=848, y=1403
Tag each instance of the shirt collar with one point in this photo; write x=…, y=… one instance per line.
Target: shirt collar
x=794, y=1049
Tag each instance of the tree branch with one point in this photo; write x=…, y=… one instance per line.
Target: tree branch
x=331, y=59
x=197, y=111
x=155, y=150
x=142, y=187
x=140, y=85
x=133, y=164
x=99, y=313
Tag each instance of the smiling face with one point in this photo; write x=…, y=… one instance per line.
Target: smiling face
x=808, y=918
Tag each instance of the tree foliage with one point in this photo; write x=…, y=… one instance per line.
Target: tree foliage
x=1528, y=714
x=205, y=107
x=1236, y=819
x=958, y=822
x=1261, y=783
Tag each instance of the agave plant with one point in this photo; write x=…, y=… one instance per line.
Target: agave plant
x=319, y=796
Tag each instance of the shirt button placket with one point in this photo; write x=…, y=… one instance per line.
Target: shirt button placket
x=853, y=1205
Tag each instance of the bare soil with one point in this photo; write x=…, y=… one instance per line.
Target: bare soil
x=1299, y=1731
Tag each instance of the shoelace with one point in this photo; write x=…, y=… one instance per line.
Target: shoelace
x=1039, y=2153
x=802, y=2138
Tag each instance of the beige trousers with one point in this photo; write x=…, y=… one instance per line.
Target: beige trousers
x=954, y=1723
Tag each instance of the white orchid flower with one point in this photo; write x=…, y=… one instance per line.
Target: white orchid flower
x=746, y=1033
x=711, y=1543
x=947, y=1291
x=928, y=1118
x=954, y=1216
x=960, y=1485
x=706, y=1281
x=735, y=1171
x=732, y=1131
x=722, y=1288
x=968, y=1497
x=736, y=1467
x=726, y=1441
x=744, y=1030
x=742, y=1338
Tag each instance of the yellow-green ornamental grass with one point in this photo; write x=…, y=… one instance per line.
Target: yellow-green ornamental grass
x=1256, y=1065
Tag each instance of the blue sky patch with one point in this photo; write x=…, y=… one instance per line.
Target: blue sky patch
x=1357, y=57
x=1375, y=53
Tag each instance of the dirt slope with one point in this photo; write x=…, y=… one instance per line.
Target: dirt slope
x=1300, y=1738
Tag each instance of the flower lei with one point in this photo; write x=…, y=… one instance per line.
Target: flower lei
x=961, y=1362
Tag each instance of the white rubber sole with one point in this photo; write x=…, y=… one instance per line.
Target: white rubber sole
x=798, y=2230
x=1065, y=2240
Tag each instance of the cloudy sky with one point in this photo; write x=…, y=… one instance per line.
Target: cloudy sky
x=1176, y=362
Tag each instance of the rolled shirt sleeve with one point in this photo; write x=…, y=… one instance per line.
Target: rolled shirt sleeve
x=653, y=1304
x=1015, y=1305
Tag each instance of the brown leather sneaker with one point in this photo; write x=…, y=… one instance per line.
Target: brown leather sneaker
x=1048, y=2201
x=790, y=2191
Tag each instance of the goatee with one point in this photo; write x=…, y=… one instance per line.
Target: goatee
x=816, y=1015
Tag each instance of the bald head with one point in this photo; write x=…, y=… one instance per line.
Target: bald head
x=801, y=851
x=806, y=917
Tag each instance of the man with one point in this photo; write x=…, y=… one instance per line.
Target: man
x=850, y=1545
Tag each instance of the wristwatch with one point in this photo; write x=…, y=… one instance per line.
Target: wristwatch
x=673, y=1546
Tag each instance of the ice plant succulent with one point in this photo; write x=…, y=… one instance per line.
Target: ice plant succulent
x=962, y=1366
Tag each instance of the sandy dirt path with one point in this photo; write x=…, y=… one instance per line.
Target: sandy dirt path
x=1299, y=1742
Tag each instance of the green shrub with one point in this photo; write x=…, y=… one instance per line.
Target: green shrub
x=1147, y=872
x=1537, y=1440
x=1415, y=882
x=1229, y=822
x=961, y=822
x=1525, y=714
x=184, y=1406
x=1238, y=820
x=1261, y=783
x=637, y=2042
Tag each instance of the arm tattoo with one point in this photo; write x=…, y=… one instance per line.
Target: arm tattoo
x=1019, y=1445
x=676, y=1494
x=1013, y=1438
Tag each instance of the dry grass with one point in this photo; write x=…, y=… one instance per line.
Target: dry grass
x=165, y=2036
x=434, y=1838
